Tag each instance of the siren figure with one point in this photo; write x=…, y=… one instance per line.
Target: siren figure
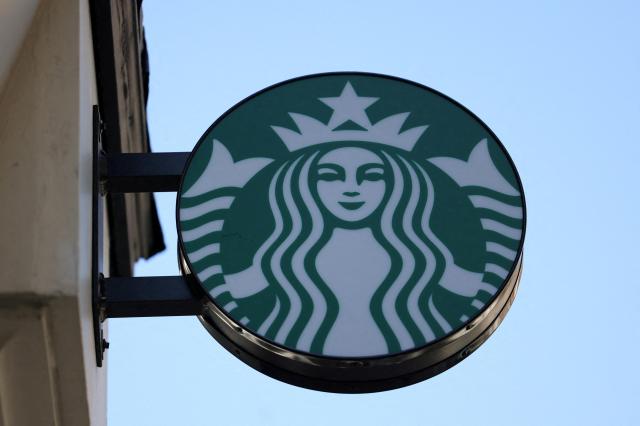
x=352, y=258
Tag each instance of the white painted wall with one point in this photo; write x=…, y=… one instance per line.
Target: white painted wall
x=15, y=20
x=48, y=373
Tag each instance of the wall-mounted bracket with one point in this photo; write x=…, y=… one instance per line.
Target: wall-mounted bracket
x=119, y=297
x=148, y=172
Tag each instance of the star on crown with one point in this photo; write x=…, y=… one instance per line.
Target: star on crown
x=349, y=107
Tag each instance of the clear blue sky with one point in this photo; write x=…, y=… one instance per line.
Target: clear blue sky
x=558, y=82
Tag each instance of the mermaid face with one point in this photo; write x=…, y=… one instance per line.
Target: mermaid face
x=351, y=182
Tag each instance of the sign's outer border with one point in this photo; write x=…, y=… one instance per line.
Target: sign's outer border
x=315, y=371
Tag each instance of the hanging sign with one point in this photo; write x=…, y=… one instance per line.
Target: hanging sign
x=353, y=232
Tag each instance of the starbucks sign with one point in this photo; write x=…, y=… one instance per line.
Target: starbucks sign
x=353, y=232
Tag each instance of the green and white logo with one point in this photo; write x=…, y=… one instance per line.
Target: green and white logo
x=350, y=215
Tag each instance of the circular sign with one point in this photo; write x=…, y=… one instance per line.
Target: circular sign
x=353, y=232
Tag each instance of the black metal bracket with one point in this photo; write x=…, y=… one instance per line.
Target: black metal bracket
x=97, y=219
x=127, y=297
x=120, y=297
x=149, y=172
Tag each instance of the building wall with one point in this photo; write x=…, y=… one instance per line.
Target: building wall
x=16, y=19
x=48, y=373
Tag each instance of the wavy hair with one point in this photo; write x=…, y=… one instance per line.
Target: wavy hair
x=306, y=308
